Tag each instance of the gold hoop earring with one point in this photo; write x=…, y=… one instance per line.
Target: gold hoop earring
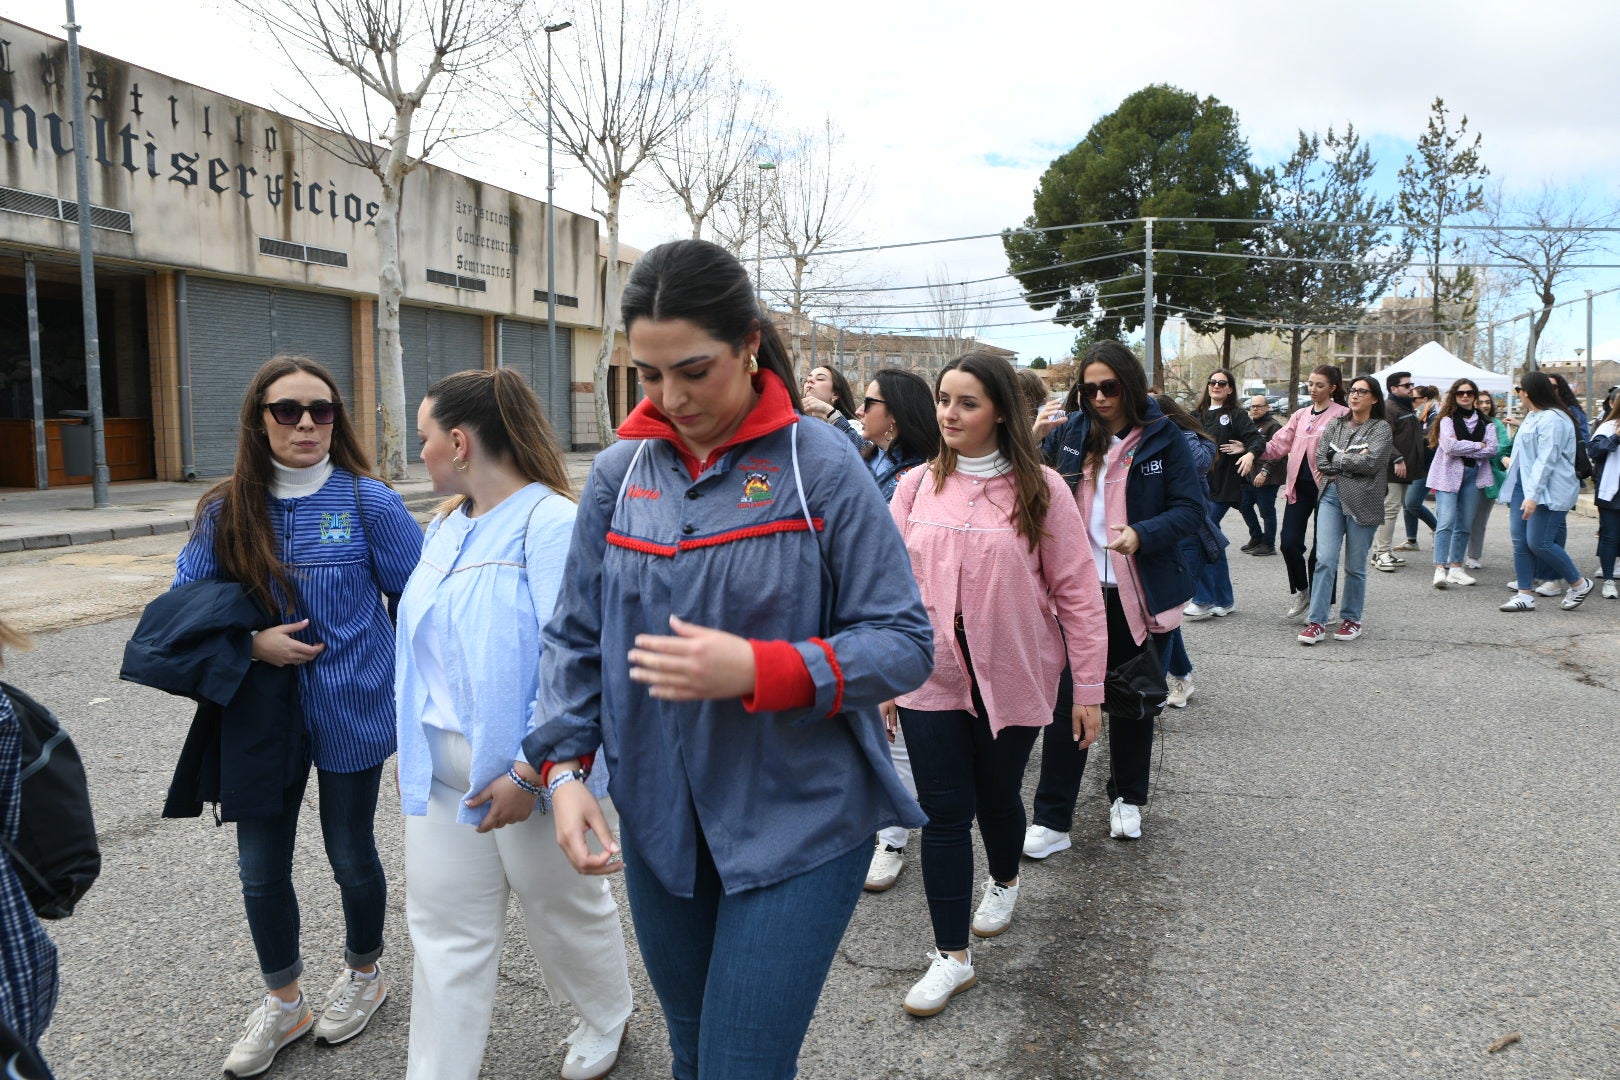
x=460, y=465
x=753, y=364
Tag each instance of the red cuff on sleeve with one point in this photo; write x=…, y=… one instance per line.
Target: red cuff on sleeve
x=585, y=762
x=781, y=679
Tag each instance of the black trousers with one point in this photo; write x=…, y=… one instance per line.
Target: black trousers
x=962, y=773
x=1296, y=519
x=1130, y=742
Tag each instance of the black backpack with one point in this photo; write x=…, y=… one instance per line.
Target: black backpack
x=56, y=854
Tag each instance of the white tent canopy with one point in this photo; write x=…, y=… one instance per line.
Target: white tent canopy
x=1434, y=365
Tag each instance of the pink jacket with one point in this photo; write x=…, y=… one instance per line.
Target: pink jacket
x=1121, y=569
x=968, y=559
x=1298, y=439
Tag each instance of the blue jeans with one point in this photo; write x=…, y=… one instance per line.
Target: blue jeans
x=1173, y=653
x=1545, y=570
x=1535, y=543
x=739, y=975
x=1414, y=509
x=1336, y=529
x=1608, y=548
x=1456, y=520
x=1259, y=510
x=1215, y=578
x=264, y=859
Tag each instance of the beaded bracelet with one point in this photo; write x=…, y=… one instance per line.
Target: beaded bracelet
x=532, y=789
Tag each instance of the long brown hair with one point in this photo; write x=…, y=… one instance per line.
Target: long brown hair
x=244, y=539
x=1014, y=439
x=1133, y=396
x=1449, y=407
x=506, y=416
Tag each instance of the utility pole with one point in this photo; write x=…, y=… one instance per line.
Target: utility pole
x=87, y=269
x=1589, y=364
x=1150, y=343
x=551, y=228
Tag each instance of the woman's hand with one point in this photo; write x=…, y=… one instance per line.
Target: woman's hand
x=278, y=646
x=814, y=406
x=1232, y=447
x=1261, y=476
x=577, y=813
x=1245, y=463
x=697, y=664
x=1087, y=721
x=508, y=803
x=1127, y=542
x=891, y=718
x=1048, y=420
x=1528, y=507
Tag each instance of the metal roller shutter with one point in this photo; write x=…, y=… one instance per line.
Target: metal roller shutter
x=436, y=343
x=525, y=349
x=233, y=328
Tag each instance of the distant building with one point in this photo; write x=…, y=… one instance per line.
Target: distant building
x=858, y=355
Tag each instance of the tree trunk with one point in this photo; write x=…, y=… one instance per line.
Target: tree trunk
x=1158, y=355
x=1537, y=325
x=390, y=348
x=610, y=311
x=1226, y=350
x=1296, y=350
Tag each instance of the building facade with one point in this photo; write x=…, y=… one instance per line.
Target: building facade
x=225, y=233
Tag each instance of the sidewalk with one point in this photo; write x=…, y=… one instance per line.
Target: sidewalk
x=64, y=517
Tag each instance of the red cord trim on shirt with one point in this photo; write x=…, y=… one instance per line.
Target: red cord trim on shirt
x=838, y=674
x=730, y=536
x=781, y=680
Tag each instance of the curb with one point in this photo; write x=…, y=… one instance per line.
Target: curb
x=92, y=536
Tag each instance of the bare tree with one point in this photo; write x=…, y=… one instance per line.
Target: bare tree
x=706, y=161
x=408, y=59
x=811, y=207
x=631, y=75
x=954, y=310
x=1541, y=236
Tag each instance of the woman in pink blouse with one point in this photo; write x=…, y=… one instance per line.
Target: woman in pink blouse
x=1007, y=576
x=1297, y=441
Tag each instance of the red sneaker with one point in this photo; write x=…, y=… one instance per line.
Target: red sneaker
x=1312, y=633
x=1348, y=630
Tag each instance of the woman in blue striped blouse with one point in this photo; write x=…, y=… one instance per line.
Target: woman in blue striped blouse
x=304, y=526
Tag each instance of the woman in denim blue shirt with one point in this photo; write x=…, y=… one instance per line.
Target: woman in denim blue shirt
x=467, y=651
x=1540, y=489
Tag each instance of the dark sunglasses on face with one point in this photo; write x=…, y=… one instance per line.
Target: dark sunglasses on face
x=1404, y=386
x=289, y=413
x=871, y=401
x=1465, y=393
x=1219, y=382
x=1108, y=388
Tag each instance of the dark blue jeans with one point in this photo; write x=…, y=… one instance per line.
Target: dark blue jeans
x=1259, y=510
x=264, y=857
x=1608, y=548
x=739, y=976
x=1415, y=511
x=1215, y=578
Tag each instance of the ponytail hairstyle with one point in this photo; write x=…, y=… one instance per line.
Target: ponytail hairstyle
x=843, y=397
x=1542, y=391
x=1014, y=439
x=244, y=539
x=1133, y=398
x=1231, y=392
x=1335, y=379
x=506, y=417
x=704, y=284
x=1184, y=420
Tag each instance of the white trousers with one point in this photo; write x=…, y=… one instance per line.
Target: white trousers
x=457, y=882
x=894, y=835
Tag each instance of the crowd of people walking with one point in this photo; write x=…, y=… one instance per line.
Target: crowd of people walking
x=781, y=628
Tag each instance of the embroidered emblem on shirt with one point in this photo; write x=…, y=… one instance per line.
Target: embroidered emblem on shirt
x=635, y=492
x=336, y=528
x=756, y=490
x=1152, y=468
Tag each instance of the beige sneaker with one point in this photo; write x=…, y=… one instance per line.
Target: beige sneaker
x=884, y=871
x=269, y=1028
x=349, y=1006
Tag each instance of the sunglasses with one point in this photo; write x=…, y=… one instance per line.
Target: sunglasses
x=1466, y=393
x=1219, y=382
x=871, y=401
x=289, y=413
x=1108, y=388
x=1403, y=386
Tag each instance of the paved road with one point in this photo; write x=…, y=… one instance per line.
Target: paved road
x=1367, y=859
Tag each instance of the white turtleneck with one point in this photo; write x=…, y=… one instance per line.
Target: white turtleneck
x=991, y=464
x=290, y=483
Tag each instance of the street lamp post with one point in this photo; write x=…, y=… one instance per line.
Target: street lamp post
x=551, y=229
x=87, y=270
x=759, y=233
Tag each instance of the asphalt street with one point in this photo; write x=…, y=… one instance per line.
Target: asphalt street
x=1366, y=859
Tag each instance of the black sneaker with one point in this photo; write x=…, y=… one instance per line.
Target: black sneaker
x=1250, y=546
x=1262, y=549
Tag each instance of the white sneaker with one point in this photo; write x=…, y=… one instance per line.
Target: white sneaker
x=1550, y=588
x=1577, y=593
x=591, y=1053
x=1386, y=562
x=1440, y=577
x=1473, y=564
x=1610, y=590
x=269, y=1028
x=1456, y=576
x=349, y=1006
x=1039, y=841
x=1124, y=821
x=1221, y=611
x=1297, y=605
x=1196, y=612
x=1180, y=691
x=946, y=977
x=887, y=862
x=995, y=910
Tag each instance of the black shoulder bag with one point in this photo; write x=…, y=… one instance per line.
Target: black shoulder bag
x=1135, y=690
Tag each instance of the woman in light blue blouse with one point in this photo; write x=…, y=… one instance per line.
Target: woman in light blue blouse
x=1540, y=490
x=467, y=656
x=303, y=525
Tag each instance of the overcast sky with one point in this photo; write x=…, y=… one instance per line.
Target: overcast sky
x=955, y=110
